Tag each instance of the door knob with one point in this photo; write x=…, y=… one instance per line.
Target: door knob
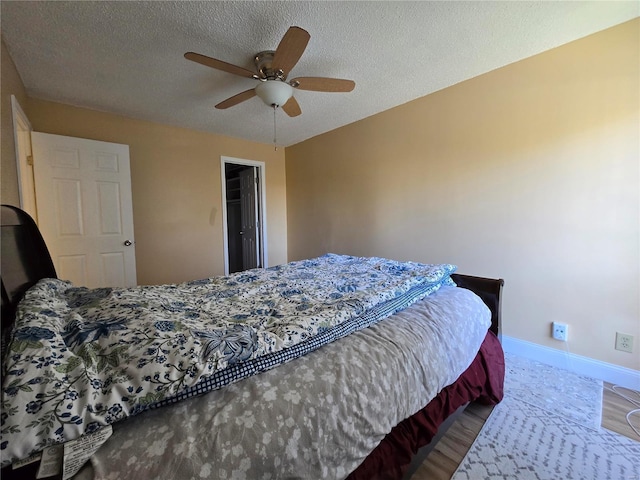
x=127, y=243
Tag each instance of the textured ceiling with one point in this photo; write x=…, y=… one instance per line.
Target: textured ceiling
x=127, y=57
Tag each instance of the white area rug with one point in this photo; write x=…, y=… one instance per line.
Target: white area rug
x=548, y=428
x=556, y=390
x=520, y=441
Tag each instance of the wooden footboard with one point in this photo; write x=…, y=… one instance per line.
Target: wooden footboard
x=490, y=291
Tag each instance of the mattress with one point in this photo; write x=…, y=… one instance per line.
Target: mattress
x=318, y=416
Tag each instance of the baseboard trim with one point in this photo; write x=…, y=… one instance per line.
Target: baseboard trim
x=625, y=377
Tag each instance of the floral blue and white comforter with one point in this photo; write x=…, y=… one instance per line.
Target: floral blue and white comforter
x=80, y=359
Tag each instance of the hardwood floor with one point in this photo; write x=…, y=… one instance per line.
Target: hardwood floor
x=614, y=411
x=445, y=458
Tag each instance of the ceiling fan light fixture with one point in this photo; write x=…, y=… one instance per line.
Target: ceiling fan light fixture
x=274, y=92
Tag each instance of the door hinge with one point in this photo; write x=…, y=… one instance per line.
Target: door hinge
x=30, y=160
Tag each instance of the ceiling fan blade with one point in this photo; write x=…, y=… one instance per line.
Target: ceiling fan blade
x=219, y=64
x=292, y=108
x=290, y=49
x=321, y=84
x=236, y=99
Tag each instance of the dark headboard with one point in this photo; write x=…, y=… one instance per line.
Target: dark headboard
x=24, y=257
x=490, y=291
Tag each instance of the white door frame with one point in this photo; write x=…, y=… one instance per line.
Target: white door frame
x=22, y=141
x=262, y=211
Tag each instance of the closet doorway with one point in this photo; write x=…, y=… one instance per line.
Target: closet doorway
x=243, y=212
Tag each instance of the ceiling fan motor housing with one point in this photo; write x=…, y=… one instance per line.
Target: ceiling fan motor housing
x=264, y=61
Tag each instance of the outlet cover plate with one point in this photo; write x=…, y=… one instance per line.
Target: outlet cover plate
x=560, y=331
x=624, y=342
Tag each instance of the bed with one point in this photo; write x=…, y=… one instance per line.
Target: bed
x=367, y=402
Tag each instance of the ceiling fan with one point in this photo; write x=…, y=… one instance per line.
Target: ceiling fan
x=272, y=69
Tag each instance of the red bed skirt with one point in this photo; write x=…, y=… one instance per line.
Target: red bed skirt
x=482, y=382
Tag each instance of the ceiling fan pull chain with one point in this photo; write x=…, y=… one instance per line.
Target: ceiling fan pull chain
x=275, y=144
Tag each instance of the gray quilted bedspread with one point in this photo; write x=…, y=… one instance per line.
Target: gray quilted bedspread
x=315, y=417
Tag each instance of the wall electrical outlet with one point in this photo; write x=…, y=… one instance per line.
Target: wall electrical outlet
x=559, y=331
x=624, y=342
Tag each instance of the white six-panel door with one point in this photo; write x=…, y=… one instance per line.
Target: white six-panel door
x=83, y=196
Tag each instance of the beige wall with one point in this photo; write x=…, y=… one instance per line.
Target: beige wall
x=10, y=84
x=176, y=186
x=529, y=173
